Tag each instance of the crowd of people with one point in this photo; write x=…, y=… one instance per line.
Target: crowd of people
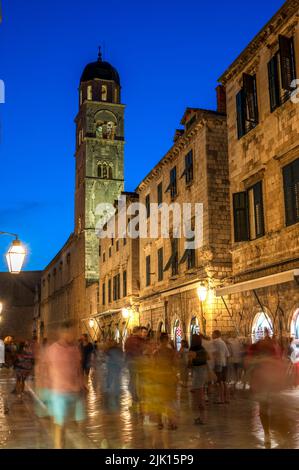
x=212, y=369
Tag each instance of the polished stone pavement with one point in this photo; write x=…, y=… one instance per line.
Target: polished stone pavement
x=116, y=425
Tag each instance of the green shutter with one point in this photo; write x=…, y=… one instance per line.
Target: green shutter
x=259, y=210
x=250, y=94
x=273, y=83
x=240, y=113
x=288, y=194
x=240, y=207
x=287, y=62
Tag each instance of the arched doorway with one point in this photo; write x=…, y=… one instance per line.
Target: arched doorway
x=262, y=324
x=177, y=335
x=295, y=325
x=194, y=327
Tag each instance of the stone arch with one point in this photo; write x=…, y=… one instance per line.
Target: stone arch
x=294, y=324
x=261, y=321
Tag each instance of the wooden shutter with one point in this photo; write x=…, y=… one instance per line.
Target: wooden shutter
x=288, y=194
x=104, y=294
x=240, y=113
x=273, y=83
x=287, y=61
x=109, y=290
x=185, y=256
x=249, y=87
x=124, y=283
x=159, y=191
x=296, y=188
x=148, y=268
x=240, y=206
x=160, y=264
x=258, y=210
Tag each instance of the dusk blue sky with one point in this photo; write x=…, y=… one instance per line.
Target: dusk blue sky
x=169, y=54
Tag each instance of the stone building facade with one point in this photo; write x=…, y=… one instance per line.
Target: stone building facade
x=263, y=145
x=114, y=304
x=195, y=170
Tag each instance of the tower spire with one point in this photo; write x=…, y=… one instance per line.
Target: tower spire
x=100, y=54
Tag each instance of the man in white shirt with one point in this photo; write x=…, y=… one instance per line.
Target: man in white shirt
x=221, y=355
x=2, y=353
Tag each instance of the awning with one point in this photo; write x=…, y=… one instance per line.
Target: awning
x=272, y=280
x=107, y=313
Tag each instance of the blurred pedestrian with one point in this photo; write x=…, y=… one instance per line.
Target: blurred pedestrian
x=87, y=351
x=267, y=376
x=199, y=362
x=64, y=364
x=23, y=366
x=183, y=358
x=221, y=355
x=166, y=379
x=2, y=353
x=133, y=350
x=114, y=363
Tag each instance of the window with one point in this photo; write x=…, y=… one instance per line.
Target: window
x=191, y=259
x=291, y=192
x=103, y=293
x=160, y=264
x=281, y=73
x=104, y=92
x=256, y=215
x=125, y=284
x=117, y=245
x=110, y=252
x=247, y=107
x=112, y=241
x=172, y=187
x=109, y=291
x=189, y=254
x=148, y=270
x=89, y=92
x=118, y=286
x=249, y=214
x=104, y=257
x=81, y=97
x=115, y=95
x=125, y=241
x=159, y=194
x=100, y=249
x=188, y=172
x=147, y=205
x=173, y=261
x=115, y=288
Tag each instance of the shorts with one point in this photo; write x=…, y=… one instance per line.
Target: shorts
x=199, y=376
x=221, y=373
x=67, y=406
x=237, y=366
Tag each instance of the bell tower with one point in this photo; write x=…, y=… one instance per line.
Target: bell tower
x=99, y=154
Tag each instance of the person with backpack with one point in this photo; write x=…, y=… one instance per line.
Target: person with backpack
x=198, y=358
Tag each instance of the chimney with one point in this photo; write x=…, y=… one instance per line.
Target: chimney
x=221, y=99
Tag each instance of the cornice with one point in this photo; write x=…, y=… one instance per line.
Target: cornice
x=283, y=16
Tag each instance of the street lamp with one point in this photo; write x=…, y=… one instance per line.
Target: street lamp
x=15, y=256
x=1, y=307
x=202, y=292
x=91, y=323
